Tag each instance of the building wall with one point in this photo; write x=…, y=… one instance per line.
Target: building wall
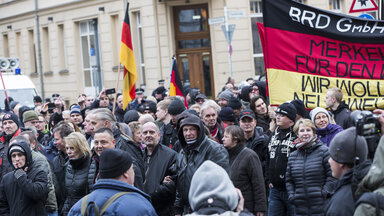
x=61, y=46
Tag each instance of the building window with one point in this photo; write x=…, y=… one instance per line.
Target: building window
x=335, y=6
x=257, y=16
x=61, y=45
x=115, y=38
x=5, y=46
x=32, y=51
x=18, y=44
x=141, y=50
x=46, y=56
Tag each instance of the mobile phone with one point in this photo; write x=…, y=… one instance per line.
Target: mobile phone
x=110, y=91
x=47, y=100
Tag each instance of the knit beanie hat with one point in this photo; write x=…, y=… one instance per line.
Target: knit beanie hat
x=11, y=116
x=75, y=109
x=227, y=114
x=30, y=115
x=235, y=103
x=226, y=95
x=211, y=184
x=288, y=110
x=130, y=116
x=16, y=148
x=346, y=146
x=176, y=107
x=299, y=105
x=318, y=110
x=114, y=162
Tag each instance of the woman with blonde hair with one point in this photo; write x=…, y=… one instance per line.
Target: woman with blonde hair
x=76, y=176
x=308, y=177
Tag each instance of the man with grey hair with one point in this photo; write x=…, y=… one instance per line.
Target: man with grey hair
x=103, y=117
x=209, y=113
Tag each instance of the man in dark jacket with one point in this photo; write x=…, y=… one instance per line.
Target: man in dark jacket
x=340, y=110
x=168, y=131
x=103, y=117
x=209, y=113
x=348, y=153
x=279, y=148
x=103, y=139
x=116, y=176
x=10, y=129
x=24, y=191
x=196, y=148
x=160, y=161
x=254, y=136
x=61, y=130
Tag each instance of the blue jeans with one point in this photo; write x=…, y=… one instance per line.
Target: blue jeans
x=278, y=204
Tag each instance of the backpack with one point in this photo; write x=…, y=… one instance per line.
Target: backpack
x=374, y=199
x=85, y=204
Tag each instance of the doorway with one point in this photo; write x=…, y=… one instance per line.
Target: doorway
x=193, y=47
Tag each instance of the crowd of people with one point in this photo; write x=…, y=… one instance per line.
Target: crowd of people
x=232, y=156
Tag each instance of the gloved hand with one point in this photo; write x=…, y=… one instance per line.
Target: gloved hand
x=18, y=173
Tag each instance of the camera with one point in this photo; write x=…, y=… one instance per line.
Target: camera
x=366, y=123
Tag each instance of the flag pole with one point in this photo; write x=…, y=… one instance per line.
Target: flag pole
x=5, y=90
x=170, y=75
x=117, y=87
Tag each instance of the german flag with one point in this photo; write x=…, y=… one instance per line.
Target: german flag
x=127, y=58
x=175, y=88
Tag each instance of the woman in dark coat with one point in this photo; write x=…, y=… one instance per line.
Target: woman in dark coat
x=76, y=176
x=309, y=177
x=245, y=170
x=259, y=106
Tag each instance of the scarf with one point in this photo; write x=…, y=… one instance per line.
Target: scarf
x=301, y=145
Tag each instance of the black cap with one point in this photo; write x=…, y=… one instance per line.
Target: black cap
x=151, y=106
x=247, y=113
x=176, y=107
x=288, y=110
x=114, y=162
x=227, y=114
x=161, y=81
x=201, y=96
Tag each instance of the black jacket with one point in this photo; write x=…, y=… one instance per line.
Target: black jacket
x=26, y=195
x=119, y=114
x=192, y=156
x=258, y=143
x=309, y=179
x=343, y=200
x=76, y=181
x=279, y=147
x=59, y=169
x=161, y=163
x=247, y=175
x=168, y=135
x=93, y=171
x=125, y=143
x=263, y=121
x=342, y=115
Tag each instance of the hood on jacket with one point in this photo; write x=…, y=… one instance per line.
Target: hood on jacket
x=27, y=149
x=190, y=119
x=331, y=128
x=375, y=177
x=244, y=95
x=211, y=185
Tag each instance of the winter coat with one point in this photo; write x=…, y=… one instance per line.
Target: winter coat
x=263, y=121
x=50, y=152
x=134, y=203
x=343, y=202
x=76, y=181
x=342, y=115
x=40, y=161
x=93, y=172
x=59, y=168
x=161, y=163
x=258, y=143
x=119, y=114
x=124, y=142
x=247, y=175
x=279, y=148
x=192, y=156
x=5, y=165
x=326, y=134
x=372, y=182
x=168, y=135
x=309, y=179
x=27, y=194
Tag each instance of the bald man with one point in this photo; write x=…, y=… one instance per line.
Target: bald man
x=160, y=161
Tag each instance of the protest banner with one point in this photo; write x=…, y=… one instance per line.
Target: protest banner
x=308, y=50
